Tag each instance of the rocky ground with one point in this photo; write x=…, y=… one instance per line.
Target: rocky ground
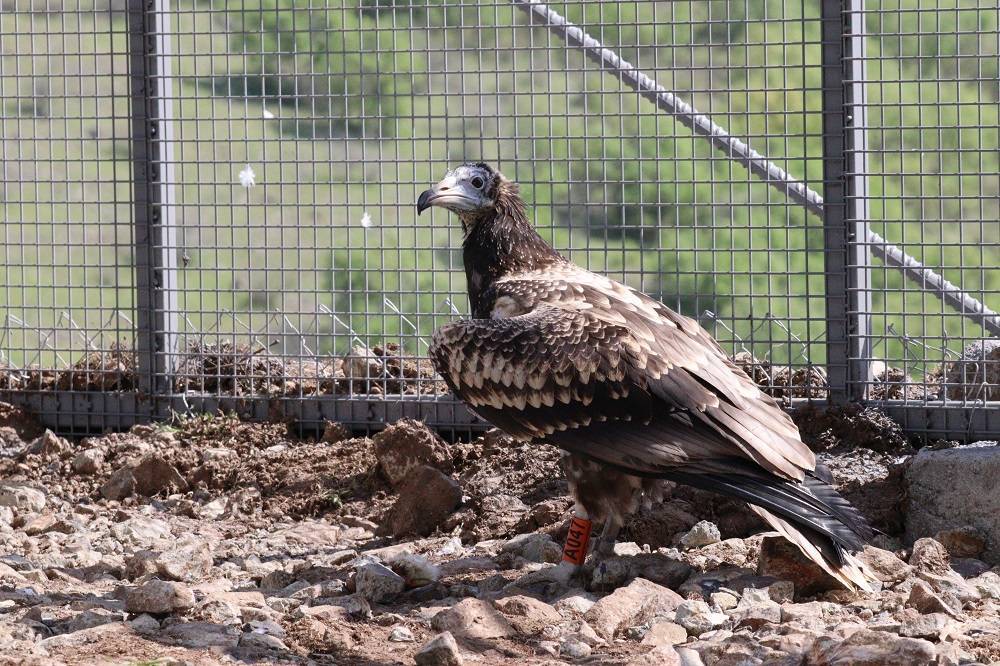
x=214, y=541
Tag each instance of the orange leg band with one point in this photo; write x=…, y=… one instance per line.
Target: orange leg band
x=575, y=548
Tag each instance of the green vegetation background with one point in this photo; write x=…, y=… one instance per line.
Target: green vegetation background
x=348, y=110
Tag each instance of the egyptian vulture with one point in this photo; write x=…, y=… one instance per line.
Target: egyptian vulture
x=631, y=390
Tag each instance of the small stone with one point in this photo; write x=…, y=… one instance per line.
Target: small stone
x=988, y=585
x=88, y=461
x=885, y=565
x=929, y=555
x=634, y=604
x=377, y=583
x=697, y=617
x=144, y=624
x=442, y=650
x=872, y=648
x=665, y=633
x=724, y=600
x=627, y=549
x=666, y=655
x=534, y=547
x=473, y=618
x=783, y=560
x=963, y=541
x=703, y=533
x=260, y=640
x=926, y=600
x=401, y=634
x=930, y=626
x=575, y=602
x=426, y=498
x=21, y=497
x=528, y=615
x=756, y=613
x=574, y=648
x=416, y=570
x=159, y=596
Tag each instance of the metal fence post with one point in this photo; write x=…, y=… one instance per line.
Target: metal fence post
x=153, y=198
x=845, y=224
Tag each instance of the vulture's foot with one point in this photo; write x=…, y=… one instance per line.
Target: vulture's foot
x=549, y=582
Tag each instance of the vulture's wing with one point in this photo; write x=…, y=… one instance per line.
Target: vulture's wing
x=599, y=369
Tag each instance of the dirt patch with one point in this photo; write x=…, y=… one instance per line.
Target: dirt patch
x=849, y=427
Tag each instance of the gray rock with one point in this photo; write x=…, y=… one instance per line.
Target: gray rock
x=938, y=504
x=704, y=533
x=928, y=555
x=159, y=596
x=416, y=570
x=665, y=633
x=528, y=615
x=378, y=583
x=872, y=648
x=21, y=497
x=988, y=585
x=401, y=634
x=918, y=625
x=637, y=603
x=442, y=650
x=697, y=617
x=574, y=648
x=613, y=572
x=145, y=624
x=473, y=618
x=260, y=640
x=534, y=547
x=88, y=461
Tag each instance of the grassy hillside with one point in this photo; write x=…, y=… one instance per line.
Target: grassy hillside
x=343, y=111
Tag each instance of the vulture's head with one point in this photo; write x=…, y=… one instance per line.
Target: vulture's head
x=470, y=190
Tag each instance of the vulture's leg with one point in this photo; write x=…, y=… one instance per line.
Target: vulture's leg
x=605, y=546
x=577, y=539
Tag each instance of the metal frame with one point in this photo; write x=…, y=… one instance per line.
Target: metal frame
x=845, y=222
x=155, y=212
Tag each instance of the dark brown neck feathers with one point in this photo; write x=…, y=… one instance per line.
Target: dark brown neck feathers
x=501, y=242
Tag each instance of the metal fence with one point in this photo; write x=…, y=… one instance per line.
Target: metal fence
x=210, y=203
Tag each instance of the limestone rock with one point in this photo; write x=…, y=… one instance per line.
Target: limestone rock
x=703, y=533
x=528, y=615
x=781, y=559
x=636, y=603
x=473, y=618
x=159, y=596
x=378, y=583
x=937, y=503
x=871, y=648
x=442, y=650
x=534, y=547
x=21, y=497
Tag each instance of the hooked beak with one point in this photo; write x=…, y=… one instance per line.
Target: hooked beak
x=449, y=193
x=424, y=202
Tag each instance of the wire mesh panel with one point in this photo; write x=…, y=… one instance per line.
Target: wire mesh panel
x=66, y=277
x=303, y=138
x=933, y=114
x=225, y=201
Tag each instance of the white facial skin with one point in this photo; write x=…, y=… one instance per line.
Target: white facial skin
x=463, y=189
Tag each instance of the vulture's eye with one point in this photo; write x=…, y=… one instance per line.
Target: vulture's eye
x=477, y=182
